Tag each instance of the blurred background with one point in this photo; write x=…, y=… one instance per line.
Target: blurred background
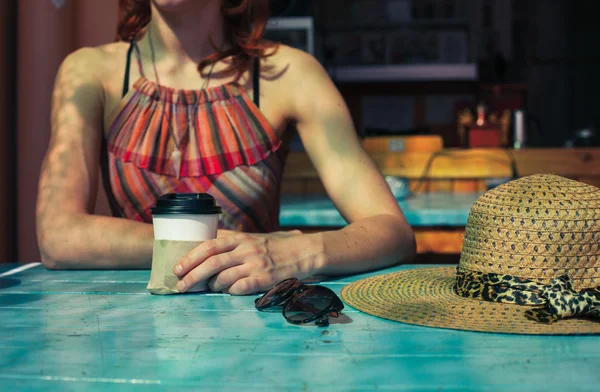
x=510, y=87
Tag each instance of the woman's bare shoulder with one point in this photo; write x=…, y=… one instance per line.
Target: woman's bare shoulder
x=99, y=63
x=291, y=64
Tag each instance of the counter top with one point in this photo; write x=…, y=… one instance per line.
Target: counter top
x=103, y=331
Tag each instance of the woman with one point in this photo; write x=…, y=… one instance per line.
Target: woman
x=192, y=100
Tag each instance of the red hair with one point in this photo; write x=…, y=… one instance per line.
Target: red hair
x=244, y=20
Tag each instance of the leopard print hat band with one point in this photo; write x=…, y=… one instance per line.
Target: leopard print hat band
x=550, y=302
x=529, y=264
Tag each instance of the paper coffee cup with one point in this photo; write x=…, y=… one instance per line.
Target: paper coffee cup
x=185, y=217
x=181, y=222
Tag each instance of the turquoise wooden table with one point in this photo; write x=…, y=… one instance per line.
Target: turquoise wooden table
x=428, y=209
x=101, y=331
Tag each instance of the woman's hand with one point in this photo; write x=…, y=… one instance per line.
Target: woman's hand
x=248, y=263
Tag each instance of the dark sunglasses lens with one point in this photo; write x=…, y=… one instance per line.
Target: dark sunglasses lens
x=278, y=294
x=313, y=301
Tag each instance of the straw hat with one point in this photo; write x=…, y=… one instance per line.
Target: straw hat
x=529, y=265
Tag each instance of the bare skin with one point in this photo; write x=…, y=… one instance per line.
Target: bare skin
x=294, y=88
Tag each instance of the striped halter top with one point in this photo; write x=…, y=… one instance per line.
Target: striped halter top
x=214, y=140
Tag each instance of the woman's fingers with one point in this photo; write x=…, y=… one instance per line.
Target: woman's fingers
x=250, y=285
x=224, y=279
x=204, y=261
x=202, y=252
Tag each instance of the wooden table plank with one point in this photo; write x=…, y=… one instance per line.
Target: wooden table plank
x=101, y=330
x=421, y=210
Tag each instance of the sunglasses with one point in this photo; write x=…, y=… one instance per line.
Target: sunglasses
x=300, y=303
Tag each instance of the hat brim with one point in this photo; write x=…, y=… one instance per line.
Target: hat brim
x=426, y=296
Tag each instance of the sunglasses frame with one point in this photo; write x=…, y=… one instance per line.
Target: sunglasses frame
x=295, y=292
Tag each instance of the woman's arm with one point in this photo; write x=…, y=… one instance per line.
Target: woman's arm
x=378, y=234
x=69, y=236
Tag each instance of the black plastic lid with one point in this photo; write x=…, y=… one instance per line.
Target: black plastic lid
x=186, y=203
